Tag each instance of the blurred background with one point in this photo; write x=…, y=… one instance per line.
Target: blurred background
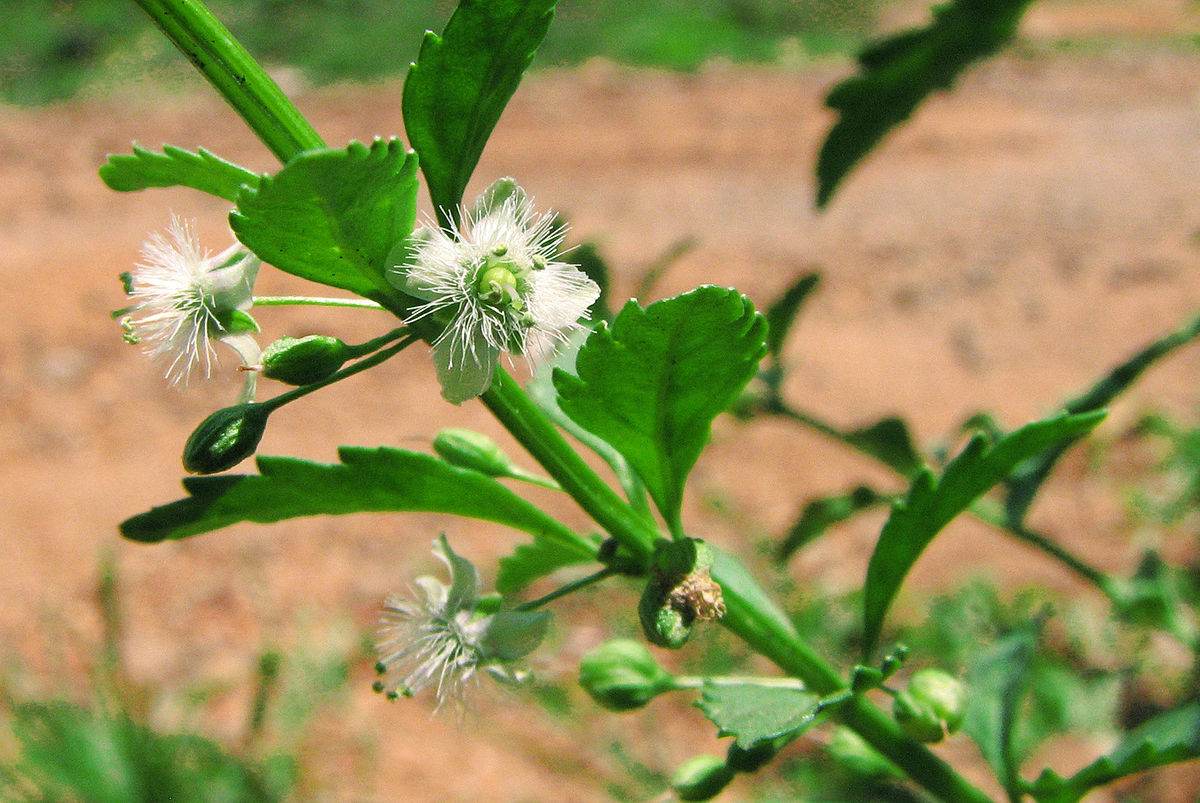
x=1015, y=240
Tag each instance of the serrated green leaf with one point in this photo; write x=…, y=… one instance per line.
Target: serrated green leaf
x=462, y=80
x=1165, y=739
x=334, y=216
x=900, y=71
x=821, y=514
x=367, y=480
x=754, y=714
x=1025, y=482
x=782, y=312
x=997, y=682
x=653, y=383
x=176, y=167
x=533, y=560
x=931, y=504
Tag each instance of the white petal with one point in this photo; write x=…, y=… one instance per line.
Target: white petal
x=464, y=375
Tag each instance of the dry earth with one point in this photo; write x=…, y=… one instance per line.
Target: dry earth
x=1020, y=237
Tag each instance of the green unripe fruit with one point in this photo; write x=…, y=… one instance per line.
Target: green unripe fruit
x=304, y=360
x=701, y=778
x=680, y=591
x=932, y=705
x=225, y=438
x=621, y=675
x=467, y=449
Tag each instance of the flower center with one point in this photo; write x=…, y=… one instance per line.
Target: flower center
x=498, y=281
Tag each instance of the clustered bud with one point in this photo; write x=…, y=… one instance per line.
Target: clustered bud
x=931, y=706
x=680, y=592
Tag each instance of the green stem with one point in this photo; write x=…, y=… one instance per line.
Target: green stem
x=697, y=681
x=569, y=588
x=309, y=301
x=235, y=75
x=362, y=365
x=533, y=430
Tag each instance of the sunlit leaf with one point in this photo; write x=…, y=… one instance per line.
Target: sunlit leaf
x=176, y=167
x=652, y=383
x=900, y=71
x=461, y=82
x=1165, y=739
x=1025, y=482
x=755, y=713
x=366, y=480
x=334, y=216
x=932, y=503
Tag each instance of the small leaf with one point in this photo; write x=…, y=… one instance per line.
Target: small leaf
x=888, y=440
x=997, y=683
x=652, y=384
x=932, y=503
x=1165, y=739
x=334, y=216
x=1023, y=485
x=821, y=514
x=462, y=80
x=900, y=71
x=754, y=714
x=533, y=560
x=366, y=480
x=175, y=167
x=782, y=313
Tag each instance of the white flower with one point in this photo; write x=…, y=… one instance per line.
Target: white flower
x=186, y=298
x=445, y=635
x=496, y=282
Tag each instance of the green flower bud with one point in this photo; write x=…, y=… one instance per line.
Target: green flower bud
x=473, y=450
x=701, y=778
x=225, y=438
x=621, y=675
x=304, y=360
x=931, y=706
x=741, y=759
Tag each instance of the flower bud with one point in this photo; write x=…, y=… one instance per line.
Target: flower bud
x=467, y=449
x=752, y=759
x=225, y=438
x=931, y=706
x=621, y=675
x=701, y=778
x=304, y=360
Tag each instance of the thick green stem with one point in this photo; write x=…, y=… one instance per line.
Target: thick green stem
x=235, y=75
x=533, y=430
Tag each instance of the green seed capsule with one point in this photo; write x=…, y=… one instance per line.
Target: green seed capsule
x=467, y=449
x=304, y=360
x=225, y=438
x=701, y=778
x=621, y=675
